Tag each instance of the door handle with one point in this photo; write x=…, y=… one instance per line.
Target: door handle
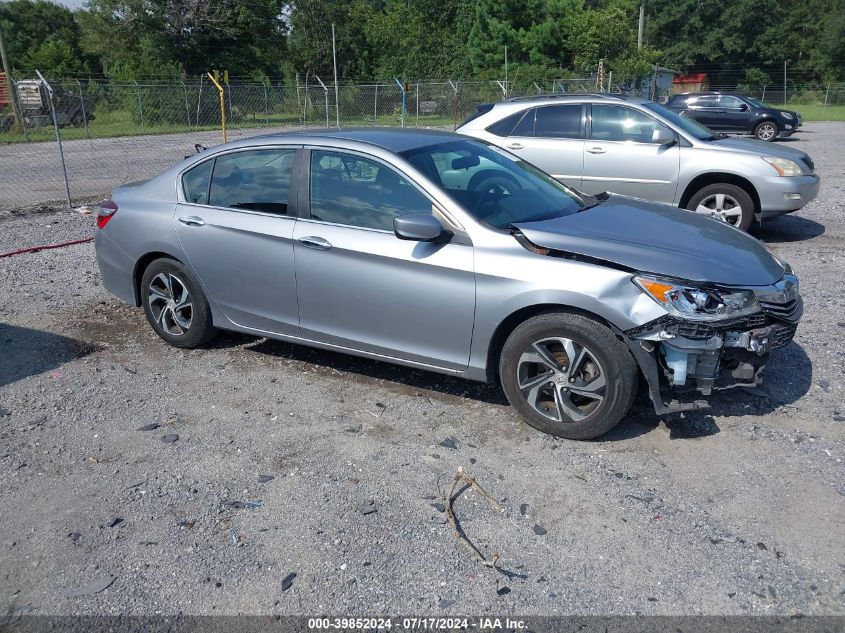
x=514, y=146
x=596, y=150
x=312, y=241
x=192, y=220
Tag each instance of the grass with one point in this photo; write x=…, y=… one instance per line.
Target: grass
x=816, y=112
x=120, y=123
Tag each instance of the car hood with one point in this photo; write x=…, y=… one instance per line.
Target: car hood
x=761, y=148
x=660, y=239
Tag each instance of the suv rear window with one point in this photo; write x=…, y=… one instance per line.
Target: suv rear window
x=506, y=125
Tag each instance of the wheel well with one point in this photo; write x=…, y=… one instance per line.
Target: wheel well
x=510, y=323
x=714, y=178
x=141, y=266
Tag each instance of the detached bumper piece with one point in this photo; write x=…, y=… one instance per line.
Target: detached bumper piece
x=683, y=360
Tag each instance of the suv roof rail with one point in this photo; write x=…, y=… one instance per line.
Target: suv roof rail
x=566, y=95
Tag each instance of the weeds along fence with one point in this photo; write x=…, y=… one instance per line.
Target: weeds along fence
x=72, y=142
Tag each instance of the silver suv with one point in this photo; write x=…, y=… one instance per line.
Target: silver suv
x=639, y=148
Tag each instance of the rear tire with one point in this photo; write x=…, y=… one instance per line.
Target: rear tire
x=766, y=131
x=725, y=202
x=175, y=304
x=568, y=375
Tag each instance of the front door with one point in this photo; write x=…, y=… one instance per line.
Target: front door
x=237, y=234
x=620, y=157
x=552, y=138
x=361, y=287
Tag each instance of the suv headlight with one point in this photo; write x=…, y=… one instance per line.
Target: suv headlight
x=698, y=304
x=783, y=166
x=786, y=115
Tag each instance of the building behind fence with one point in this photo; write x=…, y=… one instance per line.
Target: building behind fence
x=111, y=133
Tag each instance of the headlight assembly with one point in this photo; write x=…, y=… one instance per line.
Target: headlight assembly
x=698, y=304
x=786, y=115
x=783, y=166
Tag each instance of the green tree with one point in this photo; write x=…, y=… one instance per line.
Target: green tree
x=45, y=36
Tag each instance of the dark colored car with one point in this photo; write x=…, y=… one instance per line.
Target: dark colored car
x=733, y=113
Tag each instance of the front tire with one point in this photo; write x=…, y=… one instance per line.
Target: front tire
x=766, y=131
x=568, y=375
x=175, y=304
x=725, y=202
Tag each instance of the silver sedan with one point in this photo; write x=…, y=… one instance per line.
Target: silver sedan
x=436, y=251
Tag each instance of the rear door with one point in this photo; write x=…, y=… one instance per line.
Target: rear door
x=361, y=287
x=620, y=157
x=737, y=114
x=708, y=110
x=552, y=138
x=235, y=221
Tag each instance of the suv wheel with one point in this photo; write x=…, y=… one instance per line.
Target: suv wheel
x=725, y=202
x=175, y=305
x=568, y=375
x=766, y=131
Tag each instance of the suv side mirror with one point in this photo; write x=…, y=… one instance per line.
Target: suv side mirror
x=743, y=107
x=662, y=136
x=420, y=227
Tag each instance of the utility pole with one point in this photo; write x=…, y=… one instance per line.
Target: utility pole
x=334, y=61
x=9, y=86
x=506, y=72
x=640, y=28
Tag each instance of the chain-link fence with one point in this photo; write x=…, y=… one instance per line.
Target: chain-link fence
x=106, y=134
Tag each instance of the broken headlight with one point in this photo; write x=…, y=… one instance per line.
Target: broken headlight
x=696, y=303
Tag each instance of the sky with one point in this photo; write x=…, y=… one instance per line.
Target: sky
x=73, y=4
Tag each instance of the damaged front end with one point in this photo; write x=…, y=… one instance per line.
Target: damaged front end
x=685, y=358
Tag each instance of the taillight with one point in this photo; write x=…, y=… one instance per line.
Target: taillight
x=105, y=212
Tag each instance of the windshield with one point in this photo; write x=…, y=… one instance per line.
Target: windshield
x=690, y=126
x=756, y=102
x=493, y=186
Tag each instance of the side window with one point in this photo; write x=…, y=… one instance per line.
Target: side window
x=257, y=180
x=708, y=101
x=618, y=123
x=732, y=103
x=195, y=183
x=559, y=121
x=349, y=189
x=525, y=127
x=506, y=125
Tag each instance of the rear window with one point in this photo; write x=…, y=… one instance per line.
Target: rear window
x=558, y=121
x=484, y=108
x=195, y=183
x=506, y=125
x=257, y=180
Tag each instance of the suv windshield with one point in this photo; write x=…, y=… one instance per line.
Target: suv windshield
x=756, y=102
x=492, y=185
x=690, y=126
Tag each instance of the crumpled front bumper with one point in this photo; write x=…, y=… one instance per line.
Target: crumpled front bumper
x=685, y=360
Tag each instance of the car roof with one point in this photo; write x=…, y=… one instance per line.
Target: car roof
x=394, y=140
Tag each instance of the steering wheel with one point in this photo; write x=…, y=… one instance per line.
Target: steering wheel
x=492, y=190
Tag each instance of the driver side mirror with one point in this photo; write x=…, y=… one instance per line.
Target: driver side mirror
x=420, y=227
x=662, y=136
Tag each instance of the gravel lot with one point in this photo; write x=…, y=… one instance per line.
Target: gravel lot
x=738, y=510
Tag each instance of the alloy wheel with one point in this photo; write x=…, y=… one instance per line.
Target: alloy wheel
x=721, y=206
x=766, y=131
x=561, y=379
x=170, y=304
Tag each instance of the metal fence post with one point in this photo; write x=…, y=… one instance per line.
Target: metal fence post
x=140, y=104
x=84, y=114
x=58, y=135
x=763, y=98
x=266, y=108
x=826, y=94
x=404, y=99
x=326, y=92
x=418, y=104
x=187, y=107
x=375, y=107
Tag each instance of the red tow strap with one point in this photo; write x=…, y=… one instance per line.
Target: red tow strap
x=35, y=249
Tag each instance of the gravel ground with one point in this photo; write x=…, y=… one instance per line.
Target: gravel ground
x=279, y=451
